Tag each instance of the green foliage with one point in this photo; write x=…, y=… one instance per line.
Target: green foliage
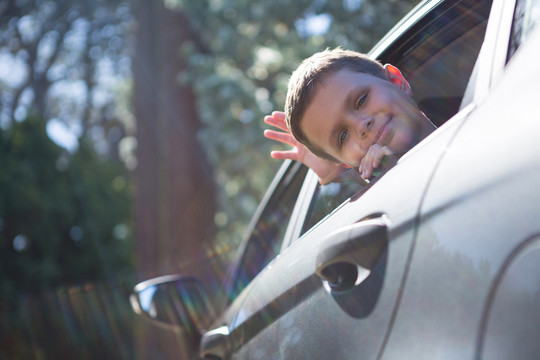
x=240, y=65
x=68, y=62
x=66, y=246
x=63, y=218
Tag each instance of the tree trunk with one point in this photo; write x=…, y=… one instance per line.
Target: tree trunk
x=175, y=188
x=175, y=196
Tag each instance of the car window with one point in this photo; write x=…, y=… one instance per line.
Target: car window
x=437, y=57
x=526, y=16
x=267, y=233
x=327, y=198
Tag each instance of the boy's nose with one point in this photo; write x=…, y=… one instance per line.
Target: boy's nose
x=364, y=126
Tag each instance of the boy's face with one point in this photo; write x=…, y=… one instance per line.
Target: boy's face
x=351, y=111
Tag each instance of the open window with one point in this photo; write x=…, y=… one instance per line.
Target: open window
x=437, y=56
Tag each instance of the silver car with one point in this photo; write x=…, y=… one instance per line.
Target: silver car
x=438, y=259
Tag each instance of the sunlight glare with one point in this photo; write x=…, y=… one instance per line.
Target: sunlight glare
x=62, y=135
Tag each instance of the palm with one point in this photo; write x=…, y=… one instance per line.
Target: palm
x=326, y=170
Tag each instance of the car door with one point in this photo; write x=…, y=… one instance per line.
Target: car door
x=475, y=269
x=335, y=292
x=290, y=312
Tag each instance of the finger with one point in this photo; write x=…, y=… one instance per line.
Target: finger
x=280, y=115
x=285, y=138
x=377, y=159
x=367, y=172
x=283, y=155
x=364, y=173
x=380, y=153
x=387, y=151
x=363, y=168
x=277, y=122
x=367, y=163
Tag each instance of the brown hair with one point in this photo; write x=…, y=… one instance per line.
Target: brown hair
x=311, y=72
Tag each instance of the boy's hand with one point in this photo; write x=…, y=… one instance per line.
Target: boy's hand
x=326, y=170
x=373, y=159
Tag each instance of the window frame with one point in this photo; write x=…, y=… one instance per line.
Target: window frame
x=492, y=58
x=437, y=13
x=396, y=42
x=301, y=209
x=286, y=173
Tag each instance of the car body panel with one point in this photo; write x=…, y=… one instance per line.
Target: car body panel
x=289, y=284
x=301, y=208
x=481, y=207
x=507, y=333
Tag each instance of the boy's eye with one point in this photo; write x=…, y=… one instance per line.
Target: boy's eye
x=342, y=137
x=361, y=101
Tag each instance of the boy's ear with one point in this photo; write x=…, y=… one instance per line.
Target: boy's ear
x=394, y=75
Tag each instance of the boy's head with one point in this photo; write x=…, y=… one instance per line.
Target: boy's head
x=340, y=102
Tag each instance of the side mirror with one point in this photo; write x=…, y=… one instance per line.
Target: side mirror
x=175, y=302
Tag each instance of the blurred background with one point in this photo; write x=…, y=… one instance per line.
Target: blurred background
x=131, y=146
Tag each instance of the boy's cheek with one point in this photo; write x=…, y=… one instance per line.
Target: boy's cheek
x=402, y=141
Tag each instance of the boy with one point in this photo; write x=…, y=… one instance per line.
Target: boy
x=346, y=110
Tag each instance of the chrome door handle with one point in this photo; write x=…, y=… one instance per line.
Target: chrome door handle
x=213, y=343
x=348, y=255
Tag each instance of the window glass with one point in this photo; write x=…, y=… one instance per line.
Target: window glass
x=439, y=60
x=437, y=57
x=328, y=197
x=265, y=240
x=526, y=16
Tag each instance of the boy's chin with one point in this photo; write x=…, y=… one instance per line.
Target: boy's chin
x=400, y=144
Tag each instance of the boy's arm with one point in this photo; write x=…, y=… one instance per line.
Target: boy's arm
x=326, y=170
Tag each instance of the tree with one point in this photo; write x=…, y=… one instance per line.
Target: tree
x=175, y=187
x=240, y=74
x=69, y=59
x=56, y=220
x=65, y=215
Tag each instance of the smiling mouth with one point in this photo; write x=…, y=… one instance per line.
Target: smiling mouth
x=383, y=130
